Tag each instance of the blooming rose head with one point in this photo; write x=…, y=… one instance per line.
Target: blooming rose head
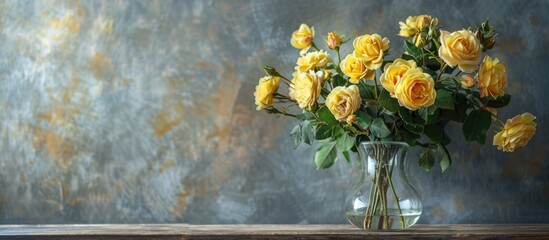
x=333, y=40
x=303, y=37
x=414, y=25
x=343, y=102
x=312, y=60
x=392, y=73
x=305, y=89
x=492, y=78
x=370, y=49
x=461, y=48
x=516, y=133
x=467, y=82
x=265, y=90
x=415, y=90
x=356, y=69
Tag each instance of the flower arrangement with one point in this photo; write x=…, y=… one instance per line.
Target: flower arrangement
x=438, y=79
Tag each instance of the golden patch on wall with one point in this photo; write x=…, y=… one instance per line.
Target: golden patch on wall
x=102, y=68
x=167, y=119
x=61, y=150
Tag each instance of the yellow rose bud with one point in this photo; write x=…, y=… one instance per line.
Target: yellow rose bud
x=516, y=133
x=265, y=90
x=415, y=90
x=370, y=49
x=351, y=119
x=333, y=40
x=343, y=101
x=467, y=82
x=356, y=69
x=392, y=73
x=327, y=74
x=312, y=60
x=460, y=48
x=415, y=24
x=305, y=89
x=492, y=78
x=303, y=37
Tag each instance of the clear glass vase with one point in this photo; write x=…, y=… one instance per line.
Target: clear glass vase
x=383, y=198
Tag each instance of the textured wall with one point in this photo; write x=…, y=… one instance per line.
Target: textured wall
x=142, y=111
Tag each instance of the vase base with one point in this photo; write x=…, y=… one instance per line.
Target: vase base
x=381, y=222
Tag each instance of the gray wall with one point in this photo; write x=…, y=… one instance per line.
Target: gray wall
x=142, y=112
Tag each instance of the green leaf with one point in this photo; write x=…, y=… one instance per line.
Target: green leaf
x=407, y=57
x=306, y=116
x=434, y=118
x=295, y=136
x=499, y=102
x=445, y=160
x=307, y=132
x=423, y=113
x=412, y=49
x=444, y=99
x=388, y=102
x=347, y=156
x=325, y=115
x=336, y=131
x=363, y=119
x=459, y=113
x=325, y=156
x=338, y=80
x=434, y=132
x=476, y=125
x=323, y=132
x=406, y=115
x=433, y=64
x=379, y=129
x=366, y=91
x=426, y=159
x=345, y=142
x=414, y=128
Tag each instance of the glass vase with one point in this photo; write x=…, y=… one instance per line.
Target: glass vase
x=383, y=198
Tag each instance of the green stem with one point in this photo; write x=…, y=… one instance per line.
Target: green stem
x=313, y=45
x=375, y=89
x=287, y=81
x=372, y=203
x=441, y=71
x=491, y=113
x=458, y=72
x=395, y=195
x=338, y=57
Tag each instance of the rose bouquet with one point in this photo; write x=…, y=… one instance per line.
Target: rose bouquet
x=441, y=77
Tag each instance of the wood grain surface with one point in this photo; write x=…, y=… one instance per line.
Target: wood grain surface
x=185, y=231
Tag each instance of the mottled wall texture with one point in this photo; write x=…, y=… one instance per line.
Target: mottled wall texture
x=142, y=112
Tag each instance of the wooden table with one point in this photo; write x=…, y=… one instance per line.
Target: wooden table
x=229, y=232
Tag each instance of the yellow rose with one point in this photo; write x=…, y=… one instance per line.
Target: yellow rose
x=414, y=25
x=370, y=50
x=467, y=82
x=461, y=48
x=305, y=88
x=392, y=73
x=516, y=133
x=265, y=90
x=312, y=60
x=415, y=90
x=333, y=40
x=492, y=78
x=303, y=37
x=356, y=69
x=343, y=102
